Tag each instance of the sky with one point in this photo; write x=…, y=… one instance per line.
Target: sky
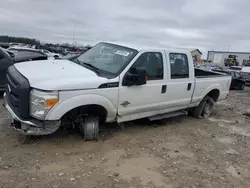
x=203, y=24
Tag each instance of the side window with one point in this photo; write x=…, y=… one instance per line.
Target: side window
x=179, y=66
x=153, y=63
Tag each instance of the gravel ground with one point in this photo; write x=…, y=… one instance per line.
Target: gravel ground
x=174, y=153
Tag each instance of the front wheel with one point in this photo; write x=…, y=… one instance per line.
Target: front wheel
x=89, y=128
x=204, y=109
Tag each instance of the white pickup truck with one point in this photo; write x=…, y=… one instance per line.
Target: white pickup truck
x=109, y=83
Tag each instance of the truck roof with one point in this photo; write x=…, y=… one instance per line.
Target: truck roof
x=141, y=48
x=176, y=50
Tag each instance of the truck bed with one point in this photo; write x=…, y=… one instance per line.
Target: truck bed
x=205, y=79
x=200, y=73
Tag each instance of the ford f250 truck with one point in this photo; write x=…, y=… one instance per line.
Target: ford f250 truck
x=109, y=83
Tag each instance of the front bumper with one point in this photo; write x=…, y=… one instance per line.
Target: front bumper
x=32, y=126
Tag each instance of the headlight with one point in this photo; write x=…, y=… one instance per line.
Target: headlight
x=41, y=102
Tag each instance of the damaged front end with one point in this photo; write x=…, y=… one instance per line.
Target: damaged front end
x=31, y=126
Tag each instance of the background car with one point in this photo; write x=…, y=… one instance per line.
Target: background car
x=5, y=61
x=245, y=72
x=16, y=49
x=211, y=66
x=238, y=81
x=238, y=68
x=51, y=54
x=8, y=58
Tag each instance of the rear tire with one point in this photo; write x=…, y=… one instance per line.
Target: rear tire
x=204, y=109
x=89, y=128
x=242, y=86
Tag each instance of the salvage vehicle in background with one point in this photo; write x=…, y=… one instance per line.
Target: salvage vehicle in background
x=246, y=62
x=238, y=68
x=51, y=54
x=238, y=81
x=245, y=72
x=231, y=60
x=210, y=66
x=8, y=58
x=93, y=89
x=16, y=49
x=5, y=61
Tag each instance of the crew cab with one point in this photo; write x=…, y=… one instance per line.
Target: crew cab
x=109, y=83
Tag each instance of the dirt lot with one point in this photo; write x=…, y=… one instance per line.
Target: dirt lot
x=178, y=152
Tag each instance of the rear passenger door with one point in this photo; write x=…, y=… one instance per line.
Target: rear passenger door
x=180, y=80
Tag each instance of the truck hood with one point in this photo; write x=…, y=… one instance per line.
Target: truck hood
x=59, y=75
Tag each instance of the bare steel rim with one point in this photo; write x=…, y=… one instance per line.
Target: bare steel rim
x=91, y=128
x=208, y=108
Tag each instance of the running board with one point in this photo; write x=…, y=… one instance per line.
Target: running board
x=168, y=115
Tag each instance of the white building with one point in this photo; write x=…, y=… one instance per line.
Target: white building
x=196, y=54
x=219, y=57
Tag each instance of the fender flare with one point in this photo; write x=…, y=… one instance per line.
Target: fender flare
x=65, y=106
x=199, y=98
x=215, y=86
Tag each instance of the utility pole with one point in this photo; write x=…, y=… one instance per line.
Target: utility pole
x=74, y=33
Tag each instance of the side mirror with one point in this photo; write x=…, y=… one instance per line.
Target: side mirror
x=135, y=76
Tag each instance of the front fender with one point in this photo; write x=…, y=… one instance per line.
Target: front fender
x=65, y=106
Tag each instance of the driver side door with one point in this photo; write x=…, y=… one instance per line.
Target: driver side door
x=139, y=101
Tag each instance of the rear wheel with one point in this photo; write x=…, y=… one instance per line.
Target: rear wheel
x=204, y=109
x=242, y=86
x=89, y=128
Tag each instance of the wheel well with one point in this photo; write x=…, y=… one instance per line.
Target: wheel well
x=214, y=94
x=92, y=110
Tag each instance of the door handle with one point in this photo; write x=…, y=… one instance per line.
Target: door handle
x=164, y=89
x=189, y=86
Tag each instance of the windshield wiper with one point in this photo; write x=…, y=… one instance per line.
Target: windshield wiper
x=95, y=69
x=77, y=61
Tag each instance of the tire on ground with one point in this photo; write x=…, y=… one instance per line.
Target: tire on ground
x=198, y=112
x=242, y=86
x=89, y=128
